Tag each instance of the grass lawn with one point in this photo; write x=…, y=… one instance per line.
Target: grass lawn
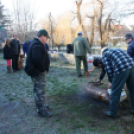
x=73, y=111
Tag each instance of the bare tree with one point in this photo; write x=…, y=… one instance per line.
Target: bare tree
x=4, y=18
x=62, y=30
x=92, y=26
x=50, y=31
x=23, y=18
x=104, y=21
x=79, y=18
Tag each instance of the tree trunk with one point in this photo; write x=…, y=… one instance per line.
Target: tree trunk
x=92, y=31
x=50, y=31
x=100, y=26
x=79, y=18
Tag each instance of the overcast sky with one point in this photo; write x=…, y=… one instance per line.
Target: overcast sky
x=56, y=7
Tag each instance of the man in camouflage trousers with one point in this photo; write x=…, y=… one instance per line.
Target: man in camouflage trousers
x=81, y=46
x=37, y=64
x=39, y=90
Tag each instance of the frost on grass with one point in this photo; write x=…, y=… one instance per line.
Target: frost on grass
x=73, y=112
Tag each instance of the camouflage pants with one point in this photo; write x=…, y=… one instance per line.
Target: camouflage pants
x=39, y=90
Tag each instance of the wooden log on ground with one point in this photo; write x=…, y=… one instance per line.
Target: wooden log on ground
x=94, y=91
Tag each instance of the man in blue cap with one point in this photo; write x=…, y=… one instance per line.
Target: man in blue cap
x=81, y=46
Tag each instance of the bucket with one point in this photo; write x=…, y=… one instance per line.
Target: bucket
x=90, y=62
x=123, y=94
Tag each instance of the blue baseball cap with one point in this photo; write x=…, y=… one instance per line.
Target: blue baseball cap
x=80, y=33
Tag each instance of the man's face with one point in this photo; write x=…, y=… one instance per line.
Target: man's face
x=128, y=40
x=43, y=39
x=15, y=37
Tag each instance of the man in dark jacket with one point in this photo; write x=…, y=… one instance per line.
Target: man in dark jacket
x=15, y=47
x=37, y=63
x=119, y=67
x=26, y=47
x=129, y=39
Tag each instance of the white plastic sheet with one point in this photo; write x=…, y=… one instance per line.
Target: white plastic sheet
x=123, y=94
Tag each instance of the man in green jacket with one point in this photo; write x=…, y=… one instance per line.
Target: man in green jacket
x=81, y=46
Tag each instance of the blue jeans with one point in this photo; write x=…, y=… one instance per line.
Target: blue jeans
x=117, y=86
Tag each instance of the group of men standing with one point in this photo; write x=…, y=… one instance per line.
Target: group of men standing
x=117, y=63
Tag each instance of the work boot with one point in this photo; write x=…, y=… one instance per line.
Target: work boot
x=109, y=114
x=86, y=73
x=80, y=75
x=9, y=70
x=44, y=113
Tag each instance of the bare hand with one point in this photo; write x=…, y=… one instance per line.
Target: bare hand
x=98, y=81
x=43, y=72
x=110, y=86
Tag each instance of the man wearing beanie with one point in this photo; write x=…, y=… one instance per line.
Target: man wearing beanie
x=81, y=46
x=130, y=41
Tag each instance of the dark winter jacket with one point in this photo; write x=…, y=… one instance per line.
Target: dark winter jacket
x=46, y=47
x=130, y=49
x=15, y=46
x=26, y=47
x=37, y=60
x=7, y=52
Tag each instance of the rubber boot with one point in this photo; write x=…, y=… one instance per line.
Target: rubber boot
x=9, y=70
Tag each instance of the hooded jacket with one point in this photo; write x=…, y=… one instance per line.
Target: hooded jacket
x=37, y=60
